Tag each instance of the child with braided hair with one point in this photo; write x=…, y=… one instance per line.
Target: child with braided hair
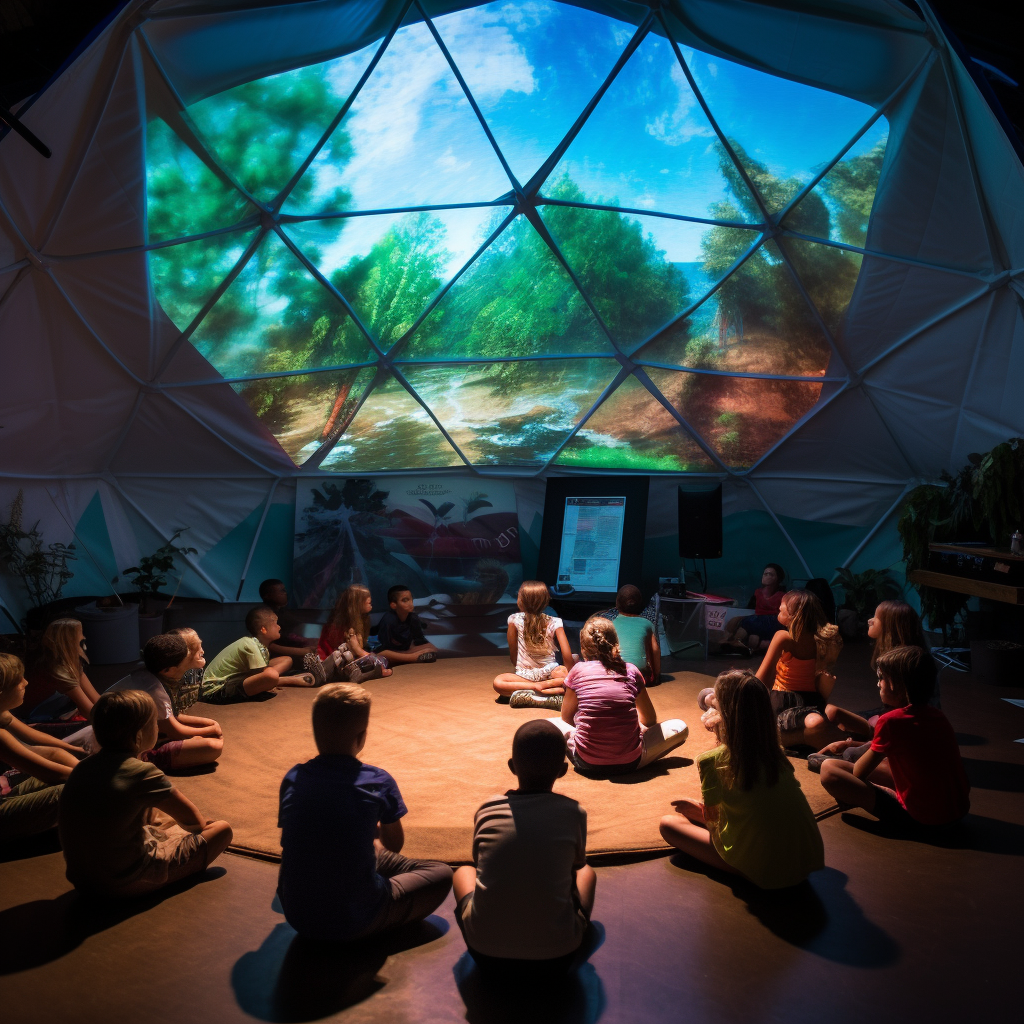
x=608, y=720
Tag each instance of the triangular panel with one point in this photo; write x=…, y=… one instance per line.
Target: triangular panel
x=739, y=417
x=640, y=272
x=515, y=300
x=263, y=130
x=783, y=132
x=409, y=139
x=828, y=274
x=184, y=194
x=390, y=267
x=391, y=430
x=276, y=316
x=512, y=414
x=647, y=145
x=631, y=429
x=755, y=322
x=839, y=206
x=303, y=411
x=184, y=276
x=532, y=70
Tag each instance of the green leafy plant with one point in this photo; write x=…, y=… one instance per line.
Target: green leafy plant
x=151, y=572
x=864, y=590
x=41, y=568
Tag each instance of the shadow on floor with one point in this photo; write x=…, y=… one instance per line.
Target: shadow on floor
x=24, y=847
x=975, y=832
x=818, y=915
x=42, y=931
x=289, y=980
x=999, y=775
x=579, y=998
x=660, y=767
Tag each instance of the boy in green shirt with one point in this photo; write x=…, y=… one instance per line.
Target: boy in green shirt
x=245, y=668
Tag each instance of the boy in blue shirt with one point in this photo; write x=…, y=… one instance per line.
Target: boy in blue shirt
x=342, y=874
x=400, y=636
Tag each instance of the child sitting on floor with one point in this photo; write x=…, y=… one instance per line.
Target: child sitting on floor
x=39, y=764
x=608, y=719
x=342, y=876
x=913, y=771
x=343, y=650
x=190, y=687
x=527, y=902
x=114, y=844
x=400, y=636
x=60, y=677
x=532, y=636
x=753, y=819
x=183, y=740
x=637, y=641
x=245, y=669
x=291, y=643
x=747, y=634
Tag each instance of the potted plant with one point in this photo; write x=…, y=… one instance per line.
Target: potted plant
x=862, y=592
x=148, y=577
x=42, y=569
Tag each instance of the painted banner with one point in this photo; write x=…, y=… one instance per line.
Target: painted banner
x=453, y=538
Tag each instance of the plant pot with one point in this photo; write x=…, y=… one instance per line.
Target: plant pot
x=112, y=634
x=150, y=626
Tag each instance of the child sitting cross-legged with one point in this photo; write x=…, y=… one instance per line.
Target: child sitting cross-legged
x=343, y=651
x=342, y=874
x=532, y=636
x=60, y=675
x=912, y=772
x=245, y=669
x=527, y=902
x=114, y=843
x=400, y=636
x=754, y=819
x=637, y=640
x=608, y=719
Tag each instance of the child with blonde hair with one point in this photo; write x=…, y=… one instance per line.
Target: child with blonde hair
x=190, y=688
x=60, y=675
x=532, y=639
x=608, y=719
x=344, y=647
x=753, y=819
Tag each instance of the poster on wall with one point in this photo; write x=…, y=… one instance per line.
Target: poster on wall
x=452, y=539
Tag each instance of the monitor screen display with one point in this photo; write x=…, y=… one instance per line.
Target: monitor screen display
x=591, y=544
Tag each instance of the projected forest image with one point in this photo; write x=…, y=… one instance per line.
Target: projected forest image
x=390, y=286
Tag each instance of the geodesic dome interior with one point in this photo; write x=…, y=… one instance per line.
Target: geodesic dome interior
x=721, y=239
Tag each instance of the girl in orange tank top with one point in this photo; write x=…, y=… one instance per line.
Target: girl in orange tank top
x=790, y=662
x=794, y=674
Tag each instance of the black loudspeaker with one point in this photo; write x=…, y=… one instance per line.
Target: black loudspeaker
x=700, y=523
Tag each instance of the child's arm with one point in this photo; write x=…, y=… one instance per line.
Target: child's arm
x=644, y=708
x=26, y=734
x=354, y=645
x=26, y=760
x=175, y=730
x=513, y=644
x=569, y=705
x=766, y=670
x=88, y=689
x=563, y=646
x=867, y=763
x=287, y=651
x=653, y=651
x=392, y=837
x=195, y=722
x=182, y=810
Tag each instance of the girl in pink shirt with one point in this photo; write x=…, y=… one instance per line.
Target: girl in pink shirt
x=607, y=716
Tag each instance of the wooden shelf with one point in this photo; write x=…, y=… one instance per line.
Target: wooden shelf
x=964, y=585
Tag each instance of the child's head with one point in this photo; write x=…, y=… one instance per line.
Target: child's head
x=749, y=728
x=341, y=713
x=538, y=755
x=600, y=642
x=532, y=600
x=12, y=682
x=352, y=610
x=533, y=597
x=196, y=654
x=906, y=675
x=400, y=599
x=63, y=649
x=125, y=721
x=773, y=576
x=629, y=600
x=273, y=592
x=261, y=622
x=165, y=656
x=801, y=612
x=895, y=624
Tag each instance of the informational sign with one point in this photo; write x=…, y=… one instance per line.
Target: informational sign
x=592, y=544
x=715, y=615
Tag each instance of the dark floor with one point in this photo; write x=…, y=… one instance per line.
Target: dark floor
x=892, y=930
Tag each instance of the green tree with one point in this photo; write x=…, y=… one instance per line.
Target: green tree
x=851, y=186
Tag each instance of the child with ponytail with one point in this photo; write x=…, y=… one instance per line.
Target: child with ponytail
x=608, y=719
x=532, y=636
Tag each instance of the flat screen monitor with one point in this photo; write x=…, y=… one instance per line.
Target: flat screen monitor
x=591, y=547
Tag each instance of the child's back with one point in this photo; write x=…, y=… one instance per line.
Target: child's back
x=527, y=848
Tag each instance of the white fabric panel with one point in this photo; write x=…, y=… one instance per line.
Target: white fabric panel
x=827, y=501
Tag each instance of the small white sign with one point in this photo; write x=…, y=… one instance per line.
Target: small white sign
x=715, y=615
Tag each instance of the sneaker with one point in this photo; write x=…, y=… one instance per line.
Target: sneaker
x=815, y=761
x=532, y=699
x=315, y=667
x=702, y=697
x=427, y=656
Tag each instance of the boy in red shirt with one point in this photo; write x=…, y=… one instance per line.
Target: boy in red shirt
x=912, y=770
